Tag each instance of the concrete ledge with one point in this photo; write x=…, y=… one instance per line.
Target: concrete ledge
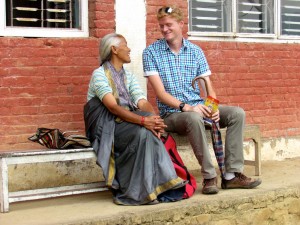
x=275, y=201
x=278, y=206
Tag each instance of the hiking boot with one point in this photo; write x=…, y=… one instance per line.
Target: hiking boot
x=240, y=181
x=210, y=186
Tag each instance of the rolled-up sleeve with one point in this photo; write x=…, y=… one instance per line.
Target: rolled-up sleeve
x=99, y=85
x=203, y=67
x=149, y=64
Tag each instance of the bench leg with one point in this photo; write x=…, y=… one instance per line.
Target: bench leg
x=257, y=158
x=4, y=201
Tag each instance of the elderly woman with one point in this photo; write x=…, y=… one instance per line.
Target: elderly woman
x=125, y=132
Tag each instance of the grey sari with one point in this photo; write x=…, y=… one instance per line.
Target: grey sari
x=135, y=164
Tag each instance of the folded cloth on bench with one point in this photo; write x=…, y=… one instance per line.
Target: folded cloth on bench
x=56, y=139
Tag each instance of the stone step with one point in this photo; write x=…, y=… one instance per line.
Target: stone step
x=275, y=201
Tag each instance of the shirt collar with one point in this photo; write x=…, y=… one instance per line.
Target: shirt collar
x=184, y=44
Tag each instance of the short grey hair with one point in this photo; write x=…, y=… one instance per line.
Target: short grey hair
x=107, y=42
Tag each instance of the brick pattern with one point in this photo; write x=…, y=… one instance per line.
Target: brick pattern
x=43, y=81
x=262, y=78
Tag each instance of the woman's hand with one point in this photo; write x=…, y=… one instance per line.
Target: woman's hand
x=155, y=124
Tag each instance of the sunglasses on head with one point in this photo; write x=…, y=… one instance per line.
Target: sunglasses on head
x=167, y=10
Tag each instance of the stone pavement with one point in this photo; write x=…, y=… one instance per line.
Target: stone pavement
x=275, y=201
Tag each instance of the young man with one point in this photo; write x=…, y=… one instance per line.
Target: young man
x=170, y=64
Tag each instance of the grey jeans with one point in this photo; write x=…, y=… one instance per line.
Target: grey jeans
x=192, y=125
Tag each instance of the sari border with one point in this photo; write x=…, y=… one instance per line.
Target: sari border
x=158, y=190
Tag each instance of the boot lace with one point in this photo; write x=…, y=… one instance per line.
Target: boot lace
x=241, y=176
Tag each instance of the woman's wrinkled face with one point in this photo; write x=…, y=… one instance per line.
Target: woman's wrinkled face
x=122, y=51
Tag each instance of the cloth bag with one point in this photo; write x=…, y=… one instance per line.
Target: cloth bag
x=179, y=166
x=56, y=139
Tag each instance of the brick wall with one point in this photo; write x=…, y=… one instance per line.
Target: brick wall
x=262, y=78
x=43, y=81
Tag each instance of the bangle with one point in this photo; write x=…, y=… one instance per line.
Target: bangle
x=142, y=120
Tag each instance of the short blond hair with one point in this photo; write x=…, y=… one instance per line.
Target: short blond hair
x=172, y=11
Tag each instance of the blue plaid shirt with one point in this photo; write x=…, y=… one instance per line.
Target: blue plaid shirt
x=176, y=71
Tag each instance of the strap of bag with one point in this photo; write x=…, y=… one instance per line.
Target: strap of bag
x=55, y=139
x=50, y=138
x=76, y=140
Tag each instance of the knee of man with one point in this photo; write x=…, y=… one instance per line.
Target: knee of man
x=240, y=113
x=194, y=119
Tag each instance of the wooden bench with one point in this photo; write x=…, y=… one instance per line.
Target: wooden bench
x=252, y=132
x=40, y=156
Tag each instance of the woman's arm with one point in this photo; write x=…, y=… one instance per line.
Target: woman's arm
x=111, y=104
x=144, y=105
x=153, y=123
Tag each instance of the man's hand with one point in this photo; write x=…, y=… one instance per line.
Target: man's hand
x=216, y=116
x=203, y=110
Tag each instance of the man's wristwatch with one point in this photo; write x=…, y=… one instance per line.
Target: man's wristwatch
x=181, y=106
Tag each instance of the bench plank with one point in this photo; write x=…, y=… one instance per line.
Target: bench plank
x=56, y=192
x=53, y=157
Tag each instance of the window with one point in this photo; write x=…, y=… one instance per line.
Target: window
x=290, y=17
x=44, y=18
x=255, y=16
x=245, y=18
x=210, y=16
